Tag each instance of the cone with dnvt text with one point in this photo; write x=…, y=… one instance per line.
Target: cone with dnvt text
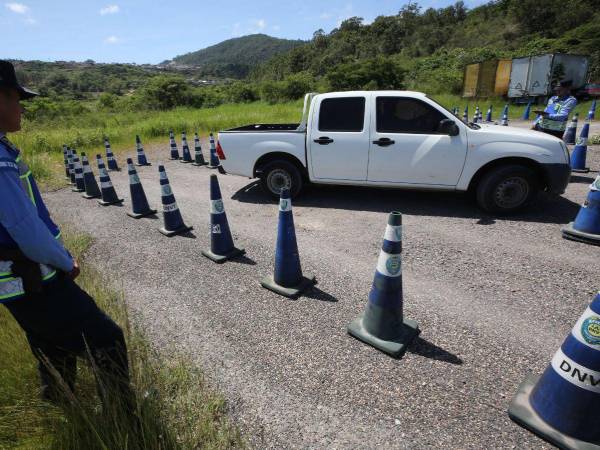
x=139, y=202
x=66, y=161
x=70, y=155
x=383, y=324
x=578, y=155
x=586, y=226
x=110, y=158
x=221, y=242
x=287, y=279
x=91, y=186
x=198, y=156
x=563, y=405
x=571, y=133
x=187, y=156
x=527, y=111
x=592, y=112
x=109, y=195
x=465, y=116
x=141, y=156
x=505, y=116
x=78, y=169
x=214, y=159
x=173, y=144
x=173, y=222
x=488, y=115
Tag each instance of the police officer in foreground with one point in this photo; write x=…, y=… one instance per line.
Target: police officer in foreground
x=553, y=119
x=61, y=321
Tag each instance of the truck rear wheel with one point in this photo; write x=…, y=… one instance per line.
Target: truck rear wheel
x=507, y=189
x=280, y=174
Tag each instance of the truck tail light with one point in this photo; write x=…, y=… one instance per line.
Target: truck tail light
x=219, y=150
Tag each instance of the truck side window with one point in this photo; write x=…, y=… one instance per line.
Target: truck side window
x=342, y=114
x=406, y=115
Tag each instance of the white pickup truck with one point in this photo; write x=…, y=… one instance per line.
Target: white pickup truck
x=397, y=139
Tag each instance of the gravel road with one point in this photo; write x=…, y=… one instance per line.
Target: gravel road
x=494, y=299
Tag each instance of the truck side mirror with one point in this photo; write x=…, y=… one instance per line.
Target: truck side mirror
x=449, y=127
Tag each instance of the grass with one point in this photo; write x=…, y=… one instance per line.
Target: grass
x=176, y=408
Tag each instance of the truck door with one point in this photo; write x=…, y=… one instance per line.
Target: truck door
x=407, y=148
x=339, y=139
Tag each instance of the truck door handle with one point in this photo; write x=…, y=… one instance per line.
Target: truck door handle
x=323, y=140
x=384, y=142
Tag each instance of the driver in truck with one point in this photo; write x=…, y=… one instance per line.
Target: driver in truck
x=553, y=119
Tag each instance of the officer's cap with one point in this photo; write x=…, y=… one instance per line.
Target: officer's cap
x=8, y=78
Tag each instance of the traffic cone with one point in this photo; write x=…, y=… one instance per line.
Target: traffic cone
x=214, y=159
x=561, y=406
x=382, y=325
x=465, y=117
x=586, y=226
x=488, y=116
x=91, y=186
x=109, y=196
x=454, y=111
x=78, y=170
x=70, y=156
x=505, y=116
x=173, y=144
x=139, y=202
x=476, y=115
x=287, y=279
x=198, y=156
x=592, y=112
x=578, y=155
x=221, y=242
x=527, y=111
x=187, y=157
x=141, y=156
x=480, y=118
x=571, y=133
x=173, y=222
x=110, y=158
x=66, y=162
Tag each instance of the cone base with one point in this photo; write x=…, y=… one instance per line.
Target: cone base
x=142, y=165
x=116, y=202
x=180, y=230
x=184, y=161
x=572, y=234
x=521, y=412
x=91, y=196
x=586, y=170
x=150, y=212
x=198, y=164
x=212, y=167
x=175, y=159
x=77, y=190
x=395, y=347
x=220, y=259
x=290, y=292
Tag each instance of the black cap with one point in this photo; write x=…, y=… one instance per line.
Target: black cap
x=8, y=78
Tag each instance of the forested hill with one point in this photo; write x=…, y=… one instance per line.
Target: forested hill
x=428, y=49
x=235, y=57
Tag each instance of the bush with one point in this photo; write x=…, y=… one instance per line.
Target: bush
x=374, y=73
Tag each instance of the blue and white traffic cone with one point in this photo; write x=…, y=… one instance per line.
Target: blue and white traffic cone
x=578, y=155
x=488, y=115
x=383, y=325
x=141, y=156
x=476, y=114
x=78, y=170
x=173, y=144
x=109, y=195
x=287, y=279
x=527, y=111
x=586, y=226
x=70, y=156
x=221, y=242
x=89, y=180
x=592, y=112
x=198, y=156
x=465, y=117
x=561, y=406
x=214, y=159
x=111, y=162
x=66, y=162
x=173, y=222
x=505, y=116
x=480, y=118
x=187, y=156
x=139, y=203
x=571, y=133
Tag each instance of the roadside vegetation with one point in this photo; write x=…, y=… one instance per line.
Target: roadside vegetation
x=175, y=407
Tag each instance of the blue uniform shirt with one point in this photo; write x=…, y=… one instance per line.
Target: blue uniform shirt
x=19, y=217
x=558, y=110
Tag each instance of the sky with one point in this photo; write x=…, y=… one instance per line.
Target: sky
x=153, y=31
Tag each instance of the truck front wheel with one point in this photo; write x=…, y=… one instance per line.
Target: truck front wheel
x=280, y=174
x=506, y=189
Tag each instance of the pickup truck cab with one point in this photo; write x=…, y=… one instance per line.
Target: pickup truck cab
x=397, y=139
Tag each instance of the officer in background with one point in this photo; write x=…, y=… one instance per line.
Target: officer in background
x=553, y=120
x=61, y=321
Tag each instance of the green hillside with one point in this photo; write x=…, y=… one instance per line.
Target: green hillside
x=235, y=57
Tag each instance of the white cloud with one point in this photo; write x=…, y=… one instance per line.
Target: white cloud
x=110, y=9
x=111, y=40
x=18, y=8
x=260, y=24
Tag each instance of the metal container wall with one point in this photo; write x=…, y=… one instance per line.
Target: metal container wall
x=471, y=78
x=518, y=77
x=487, y=78
x=502, y=77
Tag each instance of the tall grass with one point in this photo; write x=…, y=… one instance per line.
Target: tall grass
x=175, y=408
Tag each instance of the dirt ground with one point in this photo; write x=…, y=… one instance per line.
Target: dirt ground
x=494, y=298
